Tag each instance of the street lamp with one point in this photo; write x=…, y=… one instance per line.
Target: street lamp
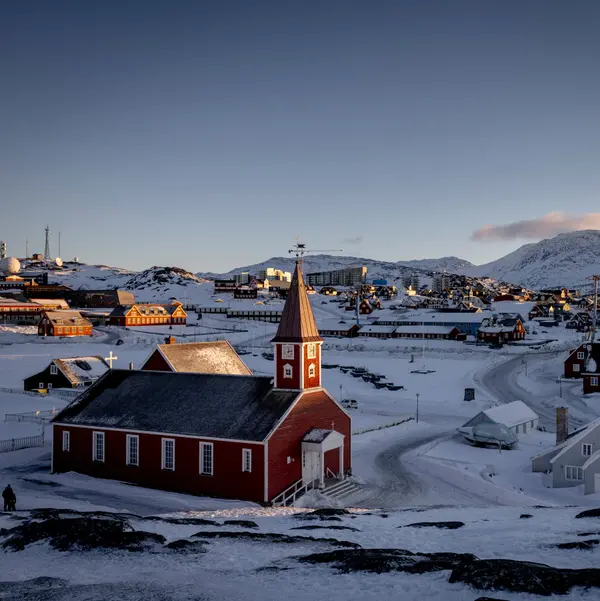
x=559, y=382
x=417, y=407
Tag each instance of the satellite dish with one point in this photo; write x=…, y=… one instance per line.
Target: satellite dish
x=58, y=261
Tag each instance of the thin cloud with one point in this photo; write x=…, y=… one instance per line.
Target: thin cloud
x=355, y=240
x=534, y=229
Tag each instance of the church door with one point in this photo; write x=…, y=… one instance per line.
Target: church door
x=311, y=466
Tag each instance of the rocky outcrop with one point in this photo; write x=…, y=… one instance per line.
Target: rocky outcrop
x=441, y=525
x=272, y=537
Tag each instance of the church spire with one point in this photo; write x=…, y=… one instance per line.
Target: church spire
x=297, y=322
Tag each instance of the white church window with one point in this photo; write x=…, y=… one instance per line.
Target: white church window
x=133, y=447
x=311, y=370
x=66, y=441
x=287, y=371
x=287, y=351
x=580, y=355
x=594, y=381
x=53, y=370
x=576, y=366
x=98, y=446
x=573, y=472
x=206, y=458
x=311, y=351
x=246, y=460
x=586, y=449
x=168, y=454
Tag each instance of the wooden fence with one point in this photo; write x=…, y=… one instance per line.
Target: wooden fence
x=15, y=444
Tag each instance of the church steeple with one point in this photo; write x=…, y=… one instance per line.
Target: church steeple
x=297, y=343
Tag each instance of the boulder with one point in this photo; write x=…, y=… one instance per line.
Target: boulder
x=333, y=527
x=590, y=513
x=523, y=577
x=489, y=599
x=241, y=523
x=525, y=516
x=442, y=525
x=188, y=546
x=272, y=537
x=82, y=534
x=579, y=544
x=329, y=511
x=381, y=561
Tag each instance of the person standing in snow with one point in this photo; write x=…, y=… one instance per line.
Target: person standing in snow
x=10, y=499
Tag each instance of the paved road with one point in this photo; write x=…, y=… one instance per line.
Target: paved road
x=501, y=382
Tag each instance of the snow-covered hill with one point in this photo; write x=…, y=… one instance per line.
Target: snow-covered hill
x=448, y=264
x=565, y=260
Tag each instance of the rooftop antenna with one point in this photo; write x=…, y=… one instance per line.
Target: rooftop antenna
x=47, y=247
x=59, y=245
x=299, y=249
x=26, y=248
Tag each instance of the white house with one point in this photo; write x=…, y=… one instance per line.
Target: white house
x=575, y=461
x=516, y=416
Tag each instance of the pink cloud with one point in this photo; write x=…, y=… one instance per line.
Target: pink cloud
x=535, y=229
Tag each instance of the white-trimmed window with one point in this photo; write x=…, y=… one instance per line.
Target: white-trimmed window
x=66, y=441
x=133, y=449
x=311, y=351
x=287, y=371
x=580, y=355
x=168, y=454
x=246, y=460
x=576, y=367
x=287, y=351
x=594, y=381
x=53, y=370
x=98, y=446
x=573, y=472
x=311, y=370
x=41, y=385
x=206, y=458
x=586, y=449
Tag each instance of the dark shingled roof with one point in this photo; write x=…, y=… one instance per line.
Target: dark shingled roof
x=211, y=405
x=297, y=320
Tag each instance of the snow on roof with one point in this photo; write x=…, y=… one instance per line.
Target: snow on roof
x=204, y=357
x=13, y=302
x=82, y=369
x=316, y=435
x=424, y=329
x=570, y=442
x=335, y=324
x=513, y=307
x=463, y=317
x=510, y=414
x=496, y=329
x=55, y=302
x=377, y=329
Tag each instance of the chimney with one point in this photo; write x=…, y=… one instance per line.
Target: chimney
x=170, y=340
x=131, y=366
x=562, y=424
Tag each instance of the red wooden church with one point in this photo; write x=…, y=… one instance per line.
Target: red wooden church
x=237, y=436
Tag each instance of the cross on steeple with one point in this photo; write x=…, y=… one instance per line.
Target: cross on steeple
x=110, y=359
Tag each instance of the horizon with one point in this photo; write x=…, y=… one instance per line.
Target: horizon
x=213, y=134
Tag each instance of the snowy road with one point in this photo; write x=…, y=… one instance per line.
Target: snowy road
x=501, y=382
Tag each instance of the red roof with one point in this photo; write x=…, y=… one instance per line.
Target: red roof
x=297, y=320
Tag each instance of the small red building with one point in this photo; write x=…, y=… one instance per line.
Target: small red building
x=508, y=330
x=64, y=323
x=234, y=436
x=148, y=315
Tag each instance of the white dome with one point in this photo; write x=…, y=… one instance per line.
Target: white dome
x=10, y=265
x=58, y=261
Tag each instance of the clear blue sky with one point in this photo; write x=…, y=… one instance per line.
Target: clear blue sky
x=210, y=134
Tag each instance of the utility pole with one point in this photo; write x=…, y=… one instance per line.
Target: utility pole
x=59, y=245
x=595, y=278
x=418, y=407
x=26, y=248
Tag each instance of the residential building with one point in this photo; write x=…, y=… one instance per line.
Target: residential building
x=242, y=278
x=440, y=282
x=71, y=372
x=51, y=304
x=502, y=330
x=101, y=299
x=19, y=312
x=64, y=323
x=225, y=285
x=196, y=357
x=148, y=315
x=574, y=461
x=348, y=276
x=235, y=436
x=336, y=328
x=270, y=273
x=411, y=281
x=243, y=292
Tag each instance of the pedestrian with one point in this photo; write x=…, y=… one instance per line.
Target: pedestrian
x=10, y=499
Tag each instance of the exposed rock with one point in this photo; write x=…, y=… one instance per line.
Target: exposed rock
x=388, y=560
x=329, y=511
x=590, y=513
x=25, y=588
x=272, y=537
x=579, y=544
x=523, y=577
x=315, y=527
x=183, y=521
x=188, y=546
x=321, y=518
x=525, y=516
x=442, y=525
x=241, y=523
x=82, y=534
x=588, y=533
x=489, y=599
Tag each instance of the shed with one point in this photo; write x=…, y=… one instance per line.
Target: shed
x=516, y=416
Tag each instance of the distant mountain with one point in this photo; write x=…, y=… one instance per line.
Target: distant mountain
x=564, y=260
x=449, y=264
